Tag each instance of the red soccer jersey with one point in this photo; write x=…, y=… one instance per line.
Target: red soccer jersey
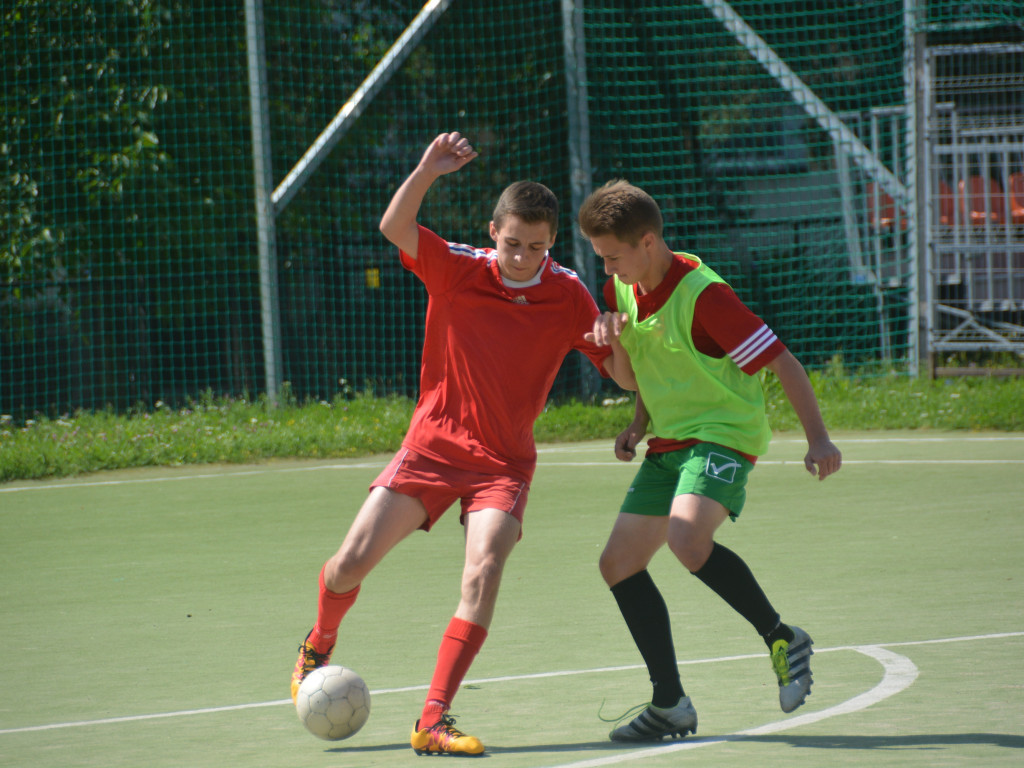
x=490, y=354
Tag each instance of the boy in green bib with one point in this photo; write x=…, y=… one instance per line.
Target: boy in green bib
x=695, y=350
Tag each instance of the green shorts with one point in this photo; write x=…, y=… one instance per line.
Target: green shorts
x=705, y=469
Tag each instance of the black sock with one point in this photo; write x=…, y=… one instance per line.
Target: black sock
x=781, y=632
x=646, y=615
x=731, y=579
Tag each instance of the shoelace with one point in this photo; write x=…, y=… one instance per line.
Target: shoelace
x=780, y=662
x=313, y=659
x=444, y=731
x=627, y=715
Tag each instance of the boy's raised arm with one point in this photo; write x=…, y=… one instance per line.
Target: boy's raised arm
x=447, y=153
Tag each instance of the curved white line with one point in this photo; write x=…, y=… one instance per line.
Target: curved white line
x=900, y=673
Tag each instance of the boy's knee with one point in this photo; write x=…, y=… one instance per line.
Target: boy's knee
x=692, y=553
x=334, y=573
x=605, y=566
x=615, y=567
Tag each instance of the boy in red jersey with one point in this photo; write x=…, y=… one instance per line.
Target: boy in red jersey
x=695, y=349
x=499, y=323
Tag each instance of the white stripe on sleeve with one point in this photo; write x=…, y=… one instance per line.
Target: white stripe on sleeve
x=755, y=344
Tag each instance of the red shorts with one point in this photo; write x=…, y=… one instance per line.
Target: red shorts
x=438, y=485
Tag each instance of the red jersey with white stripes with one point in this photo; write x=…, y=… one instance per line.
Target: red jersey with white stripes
x=491, y=351
x=722, y=325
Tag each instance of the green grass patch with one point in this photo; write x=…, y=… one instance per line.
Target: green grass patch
x=214, y=430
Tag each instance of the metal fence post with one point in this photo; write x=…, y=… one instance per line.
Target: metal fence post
x=580, y=173
x=263, y=182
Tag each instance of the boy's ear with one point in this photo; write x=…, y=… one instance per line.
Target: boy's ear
x=494, y=232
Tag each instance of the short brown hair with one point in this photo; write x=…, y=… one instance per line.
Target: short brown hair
x=530, y=201
x=621, y=210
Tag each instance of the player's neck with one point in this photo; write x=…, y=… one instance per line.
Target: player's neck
x=660, y=264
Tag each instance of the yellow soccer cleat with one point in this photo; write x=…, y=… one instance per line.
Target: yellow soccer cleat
x=443, y=738
x=308, y=660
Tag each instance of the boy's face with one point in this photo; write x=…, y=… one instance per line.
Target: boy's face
x=630, y=263
x=521, y=247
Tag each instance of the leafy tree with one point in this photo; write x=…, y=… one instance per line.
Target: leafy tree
x=77, y=125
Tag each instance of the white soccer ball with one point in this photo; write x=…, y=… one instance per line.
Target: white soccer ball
x=333, y=702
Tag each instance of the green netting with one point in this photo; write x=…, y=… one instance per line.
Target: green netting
x=747, y=180
x=128, y=253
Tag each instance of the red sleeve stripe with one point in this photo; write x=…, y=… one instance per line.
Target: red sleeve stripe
x=755, y=344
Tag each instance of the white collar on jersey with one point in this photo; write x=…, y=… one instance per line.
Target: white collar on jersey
x=535, y=280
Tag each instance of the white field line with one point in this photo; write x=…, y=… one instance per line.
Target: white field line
x=899, y=674
x=790, y=462
x=895, y=670
x=605, y=446
x=213, y=475
x=546, y=451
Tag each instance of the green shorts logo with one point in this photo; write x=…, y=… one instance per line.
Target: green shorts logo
x=721, y=467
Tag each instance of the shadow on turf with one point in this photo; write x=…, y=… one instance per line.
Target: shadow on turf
x=918, y=741
x=590, y=746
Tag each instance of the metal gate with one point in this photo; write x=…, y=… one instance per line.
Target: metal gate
x=974, y=167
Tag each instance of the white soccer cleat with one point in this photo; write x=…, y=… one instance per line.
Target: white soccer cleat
x=792, y=665
x=655, y=723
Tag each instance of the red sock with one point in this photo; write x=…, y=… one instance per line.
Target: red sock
x=459, y=646
x=331, y=609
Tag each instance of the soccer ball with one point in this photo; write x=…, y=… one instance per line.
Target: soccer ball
x=333, y=702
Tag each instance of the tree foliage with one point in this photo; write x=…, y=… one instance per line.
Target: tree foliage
x=77, y=123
